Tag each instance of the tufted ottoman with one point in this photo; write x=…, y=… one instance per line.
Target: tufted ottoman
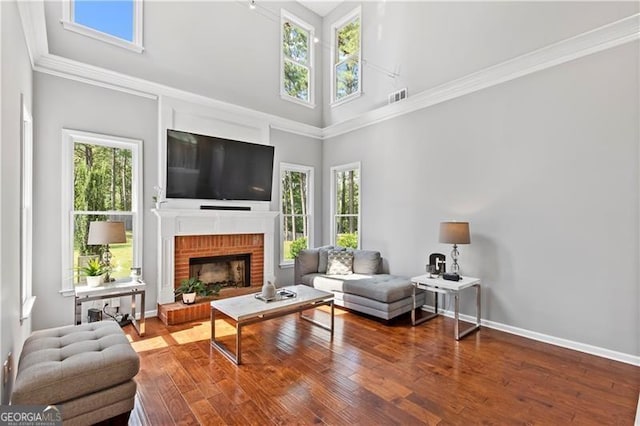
x=86, y=370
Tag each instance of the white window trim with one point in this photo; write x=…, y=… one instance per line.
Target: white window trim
x=354, y=14
x=332, y=224
x=26, y=214
x=284, y=167
x=286, y=16
x=69, y=139
x=68, y=23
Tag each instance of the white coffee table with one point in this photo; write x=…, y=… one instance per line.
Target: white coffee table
x=437, y=286
x=245, y=310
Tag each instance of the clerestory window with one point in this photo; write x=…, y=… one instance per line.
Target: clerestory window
x=118, y=22
x=346, y=75
x=297, y=60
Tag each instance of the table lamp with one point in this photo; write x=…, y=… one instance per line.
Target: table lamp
x=455, y=233
x=105, y=233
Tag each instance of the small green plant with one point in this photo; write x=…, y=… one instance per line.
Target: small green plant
x=297, y=246
x=94, y=268
x=195, y=285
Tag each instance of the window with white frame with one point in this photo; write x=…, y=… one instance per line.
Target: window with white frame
x=118, y=22
x=26, y=216
x=102, y=181
x=296, y=59
x=345, y=205
x=346, y=75
x=296, y=210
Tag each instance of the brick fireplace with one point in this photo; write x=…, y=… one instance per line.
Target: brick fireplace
x=185, y=233
x=209, y=246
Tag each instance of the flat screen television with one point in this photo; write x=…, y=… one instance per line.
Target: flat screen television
x=212, y=168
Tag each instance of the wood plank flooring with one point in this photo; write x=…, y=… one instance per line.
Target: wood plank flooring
x=373, y=372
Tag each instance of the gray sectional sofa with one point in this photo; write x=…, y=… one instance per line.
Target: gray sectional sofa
x=364, y=288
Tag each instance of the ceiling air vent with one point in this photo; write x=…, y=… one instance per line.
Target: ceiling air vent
x=398, y=96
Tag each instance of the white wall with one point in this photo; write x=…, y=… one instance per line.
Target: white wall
x=545, y=168
x=431, y=43
x=222, y=50
x=62, y=103
x=16, y=80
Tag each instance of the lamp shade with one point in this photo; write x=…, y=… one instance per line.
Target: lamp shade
x=106, y=233
x=454, y=233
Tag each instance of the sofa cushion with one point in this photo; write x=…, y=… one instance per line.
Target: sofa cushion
x=330, y=282
x=308, y=261
x=366, y=261
x=340, y=263
x=381, y=287
x=323, y=258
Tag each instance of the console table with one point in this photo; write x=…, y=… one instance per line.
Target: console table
x=437, y=286
x=111, y=290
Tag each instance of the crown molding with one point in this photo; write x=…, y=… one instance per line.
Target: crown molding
x=599, y=39
x=608, y=36
x=34, y=27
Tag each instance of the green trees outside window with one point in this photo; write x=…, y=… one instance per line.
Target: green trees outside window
x=297, y=58
x=102, y=190
x=347, y=207
x=346, y=59
x=295, y=211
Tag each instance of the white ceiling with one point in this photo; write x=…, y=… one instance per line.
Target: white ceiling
x=322, y=8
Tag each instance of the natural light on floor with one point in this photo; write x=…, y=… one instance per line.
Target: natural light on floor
x=196, y=333
x=148, y=344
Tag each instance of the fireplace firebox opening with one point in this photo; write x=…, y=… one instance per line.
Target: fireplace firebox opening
x=229, y=271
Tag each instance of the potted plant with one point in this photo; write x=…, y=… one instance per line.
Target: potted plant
x=189, y=288
x=94, y=271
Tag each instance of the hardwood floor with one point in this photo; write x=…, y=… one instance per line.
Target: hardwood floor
x=373, y=373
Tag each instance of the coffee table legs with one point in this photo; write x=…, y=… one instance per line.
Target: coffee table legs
x=318, y=323
x=473, y=328
x=237, y=357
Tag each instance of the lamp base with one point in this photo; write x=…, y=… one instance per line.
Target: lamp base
x=455, y=268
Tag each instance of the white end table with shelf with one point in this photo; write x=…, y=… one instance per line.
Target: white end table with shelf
x=437, y=285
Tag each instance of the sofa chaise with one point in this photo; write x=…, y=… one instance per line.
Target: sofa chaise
x=355, y=278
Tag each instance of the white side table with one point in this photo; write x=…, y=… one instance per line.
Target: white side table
x=441, y=286
x=107, y=291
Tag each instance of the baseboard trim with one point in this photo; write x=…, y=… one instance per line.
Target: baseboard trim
x=556, y=341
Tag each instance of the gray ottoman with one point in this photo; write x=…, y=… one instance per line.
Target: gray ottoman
x=86, y=370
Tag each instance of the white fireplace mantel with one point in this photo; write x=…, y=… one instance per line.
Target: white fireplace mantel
x=177, y=222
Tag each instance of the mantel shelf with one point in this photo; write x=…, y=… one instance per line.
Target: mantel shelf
x=173, y=213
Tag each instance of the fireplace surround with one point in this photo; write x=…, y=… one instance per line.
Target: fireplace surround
x=178, y=226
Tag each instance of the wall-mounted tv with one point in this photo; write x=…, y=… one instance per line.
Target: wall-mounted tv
x=212, y=168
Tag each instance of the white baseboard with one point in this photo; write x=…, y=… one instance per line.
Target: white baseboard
x=557, y=341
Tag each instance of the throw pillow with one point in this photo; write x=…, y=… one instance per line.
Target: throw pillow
x=366, y=262
x=323, y=253
x=340, y=262
x=308, y=261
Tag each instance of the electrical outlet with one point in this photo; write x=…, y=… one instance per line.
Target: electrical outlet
x=115, y=302
x=7, y=367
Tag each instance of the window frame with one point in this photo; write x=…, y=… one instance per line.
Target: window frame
x=309, y=170
x=26, y=213
x=335, y=27
x=333, y=202
x=286, y=16
x=69, y=23
x=69, y=139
